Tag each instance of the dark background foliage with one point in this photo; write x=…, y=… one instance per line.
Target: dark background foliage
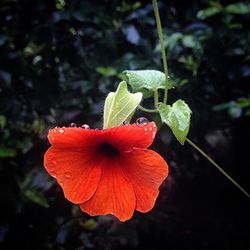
x=58, y=61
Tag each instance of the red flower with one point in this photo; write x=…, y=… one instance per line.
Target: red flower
x=107, y=171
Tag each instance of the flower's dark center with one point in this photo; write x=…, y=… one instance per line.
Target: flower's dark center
x=108, y=149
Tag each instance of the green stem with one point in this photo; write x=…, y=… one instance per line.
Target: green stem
x=218, y=167
x=164, y=57
x=156, y=99
x=148, y=110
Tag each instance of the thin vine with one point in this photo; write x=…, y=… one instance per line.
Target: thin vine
x=164, y=59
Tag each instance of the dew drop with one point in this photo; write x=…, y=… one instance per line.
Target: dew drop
x=54, y=162
x=52, y=138
x=61, y=130
x=126, y=122
x=72, y=125
x=85, y=126
x=154, y=193
x=67, y=175
x=127, y=151
x=142, y=121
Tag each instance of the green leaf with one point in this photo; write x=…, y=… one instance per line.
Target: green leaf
x=106, y=71
x=222, y=106
x=189, y=41
x=38, y=126
x=238, y=8
x=170, y=42
x=7, y=152
x=120, y=105
x=2, y=121
x=177, y=117
x=205, y=13
x=90, y=224
x=146, y=81
x=32, y=49
x=37, y=198
x=60, y=4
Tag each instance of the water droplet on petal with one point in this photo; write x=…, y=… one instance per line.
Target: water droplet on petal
x=127, y=151
x=52, y=138
x=72, y=125
x=154, y=193
x=126, y=122
x=142, y=121
x=67, y=175
x=54, y=162
x=61, y=130
x=85, y=126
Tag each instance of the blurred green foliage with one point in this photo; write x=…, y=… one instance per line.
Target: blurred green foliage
x=58, y=61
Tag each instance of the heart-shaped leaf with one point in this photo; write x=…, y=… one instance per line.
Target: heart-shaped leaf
x=177, y=117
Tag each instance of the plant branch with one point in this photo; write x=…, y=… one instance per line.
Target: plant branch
x=147, y=110
x=218, y=167
x=156, y=99
x=164, y=57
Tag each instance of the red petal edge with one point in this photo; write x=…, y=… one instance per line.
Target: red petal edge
x=146, y=170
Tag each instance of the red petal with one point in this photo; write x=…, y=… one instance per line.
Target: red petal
x=76, y=172
x=146, y=170
x=114, y=195
x=131, y=136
